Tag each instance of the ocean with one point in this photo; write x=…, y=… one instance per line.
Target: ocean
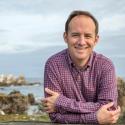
x=37, y=90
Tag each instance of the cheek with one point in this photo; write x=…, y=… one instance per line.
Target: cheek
x=91, y=44
x=71, y=42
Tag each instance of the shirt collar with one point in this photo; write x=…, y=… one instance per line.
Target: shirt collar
x=71, y=63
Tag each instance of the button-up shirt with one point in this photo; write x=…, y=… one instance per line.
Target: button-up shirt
x=82, y=91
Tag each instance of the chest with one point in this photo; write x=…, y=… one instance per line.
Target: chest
x=80, y=85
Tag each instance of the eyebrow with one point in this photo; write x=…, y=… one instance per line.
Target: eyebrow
x=88, y=34
x=77, y=33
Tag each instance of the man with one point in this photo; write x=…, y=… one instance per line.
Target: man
x=80, y=85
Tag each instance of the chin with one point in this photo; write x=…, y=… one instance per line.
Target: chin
x=81, y=57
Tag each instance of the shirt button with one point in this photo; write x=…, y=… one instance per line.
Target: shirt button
x=78, y=77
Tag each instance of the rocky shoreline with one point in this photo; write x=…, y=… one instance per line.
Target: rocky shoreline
x=15, y=102
x=9, y=80
x=18, y=107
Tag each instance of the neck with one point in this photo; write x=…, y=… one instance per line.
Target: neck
x=81, y=63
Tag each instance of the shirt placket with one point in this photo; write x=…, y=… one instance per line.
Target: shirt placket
x=78, y=82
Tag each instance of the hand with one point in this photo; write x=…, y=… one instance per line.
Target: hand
x=104, y=116
x=49, y=102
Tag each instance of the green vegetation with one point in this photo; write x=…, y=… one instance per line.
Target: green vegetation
x=23, y=117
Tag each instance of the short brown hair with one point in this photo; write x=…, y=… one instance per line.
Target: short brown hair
x=78, y=13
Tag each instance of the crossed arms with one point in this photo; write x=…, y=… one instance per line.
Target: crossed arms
x=103, y=114
x=66, y=110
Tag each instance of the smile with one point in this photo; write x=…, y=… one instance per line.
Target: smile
x=81, y=48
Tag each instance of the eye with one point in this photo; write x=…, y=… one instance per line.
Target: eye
x=88, y=36
x=75, y=35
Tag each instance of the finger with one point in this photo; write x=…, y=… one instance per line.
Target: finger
x=48, y=110
x=48, y=91
x=51, y=110
x=45, y=109
x=109, y=105
x=44, y=100
x=44, y=104
x=116, y=112
x=115, y=119
x=119, y=109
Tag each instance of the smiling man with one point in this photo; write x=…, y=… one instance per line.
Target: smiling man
x=80, y=84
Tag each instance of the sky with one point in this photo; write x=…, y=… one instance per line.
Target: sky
x=32, y=30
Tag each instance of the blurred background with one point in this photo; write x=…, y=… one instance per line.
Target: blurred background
x=32, y=30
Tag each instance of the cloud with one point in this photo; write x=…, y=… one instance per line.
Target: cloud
x=113, y=23
x=28, y=25
x=30, y=31
x=40, y=6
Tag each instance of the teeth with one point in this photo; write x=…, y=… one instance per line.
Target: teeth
x=80, y=48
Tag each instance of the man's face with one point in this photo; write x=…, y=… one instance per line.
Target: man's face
x=81, y=38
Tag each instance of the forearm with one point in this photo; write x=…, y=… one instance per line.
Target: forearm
x=66, y=118
x=71, y=105
x=107, y=92
x=73, y=118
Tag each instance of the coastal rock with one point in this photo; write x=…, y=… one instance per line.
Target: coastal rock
x=15, y=102
x=7, y=80
x=121, y=95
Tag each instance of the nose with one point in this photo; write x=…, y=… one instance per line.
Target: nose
x=81, y=40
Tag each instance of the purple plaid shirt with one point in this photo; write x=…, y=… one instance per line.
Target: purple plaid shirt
x=82, y=91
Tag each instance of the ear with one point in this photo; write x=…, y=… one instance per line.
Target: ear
x=65, y=37
x=96, y=39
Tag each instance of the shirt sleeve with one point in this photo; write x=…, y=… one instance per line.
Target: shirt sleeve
x=107, y=92
x=73, y=118
x=107, y=89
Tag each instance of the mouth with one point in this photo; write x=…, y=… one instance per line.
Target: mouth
x=81, y=48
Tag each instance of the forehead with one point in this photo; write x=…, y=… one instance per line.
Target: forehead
x=83, y=22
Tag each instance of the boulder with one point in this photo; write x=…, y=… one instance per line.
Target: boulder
x=15, y=102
